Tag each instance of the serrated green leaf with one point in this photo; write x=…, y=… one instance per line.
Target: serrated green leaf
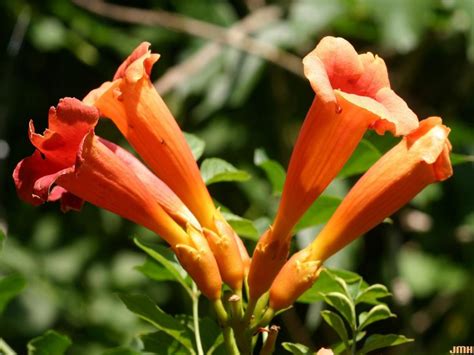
x=242, y=226
x=343, y=285
x=379, y=341
x=365, y=155
x=376, y=313
x=297, y=349
x=457, y=159
x=50, y=343
x=275, y=173
x=355, y=288
x=10, y=286
x=343, y=304
x=372, y=293
x=196, y=144
x=166, y=258
x=327, y=284
x=146, y=309
x=217, y=170
x=161, y=343
x=336, y=323
x=319, y=212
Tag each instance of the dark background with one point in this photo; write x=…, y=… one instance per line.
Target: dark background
x=237, y=103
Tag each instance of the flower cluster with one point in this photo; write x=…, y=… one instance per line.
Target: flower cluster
x=166, y=193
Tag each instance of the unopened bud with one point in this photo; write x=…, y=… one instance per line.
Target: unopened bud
x=226, y=251
x=267, y=260
x=296, y=276
x=200, y=263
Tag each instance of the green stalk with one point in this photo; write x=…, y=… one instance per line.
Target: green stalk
x=269, y=346
x=249, y=311
x=197, y=332
x=229, y=341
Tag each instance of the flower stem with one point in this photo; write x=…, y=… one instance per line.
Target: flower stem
x=222, y=316
x=264, y=321
x=197, y=333
x=229, y=341
x=249, y=311
x=269, y=346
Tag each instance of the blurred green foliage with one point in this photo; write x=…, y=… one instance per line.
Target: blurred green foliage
x=68, y=268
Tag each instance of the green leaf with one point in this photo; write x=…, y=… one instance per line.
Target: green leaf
x=348, y=276
x=319, y=212
x=343, y=304
x=10, y=286
x=297, y=349
x=155, y=271
x=146, y=309
x=372, y=293
x=166, y=258
x=433, y=273
x=5, y=349
x=50, y=343
x=242, y=226
x=343, y=285
x=461, y=158
x=376, y=313
x=401, y=23
x=211, y=334
x=48, y=34
x=336, y=323
x=365, y=155
x=217, y=170
x=326, y=283
x=379, y=341
x=161, y=343
x=340, y=347
x=273, y=170
x=355, y=288
x=196, y=144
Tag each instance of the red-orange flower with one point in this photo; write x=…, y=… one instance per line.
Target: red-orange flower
x=139, y=112
x=420, y=159
x=352, y=95
x=72, y=164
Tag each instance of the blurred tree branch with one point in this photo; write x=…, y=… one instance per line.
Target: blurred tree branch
x=233, y=37
x=178, y=73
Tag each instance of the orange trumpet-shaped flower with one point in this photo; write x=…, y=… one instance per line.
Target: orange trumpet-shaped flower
x=352, y=95
x=139, y=112
x=420, y=159
x=71, y=164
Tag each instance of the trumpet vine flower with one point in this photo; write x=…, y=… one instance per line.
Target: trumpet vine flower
x=353, y=95
x=133, y=104
x=72, y=164
x=421, y=158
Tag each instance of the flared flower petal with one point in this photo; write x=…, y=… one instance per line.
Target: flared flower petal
x=71, y=164
x=334, y=67
x=352, y=95
x=139, y=112
x=420, y=159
